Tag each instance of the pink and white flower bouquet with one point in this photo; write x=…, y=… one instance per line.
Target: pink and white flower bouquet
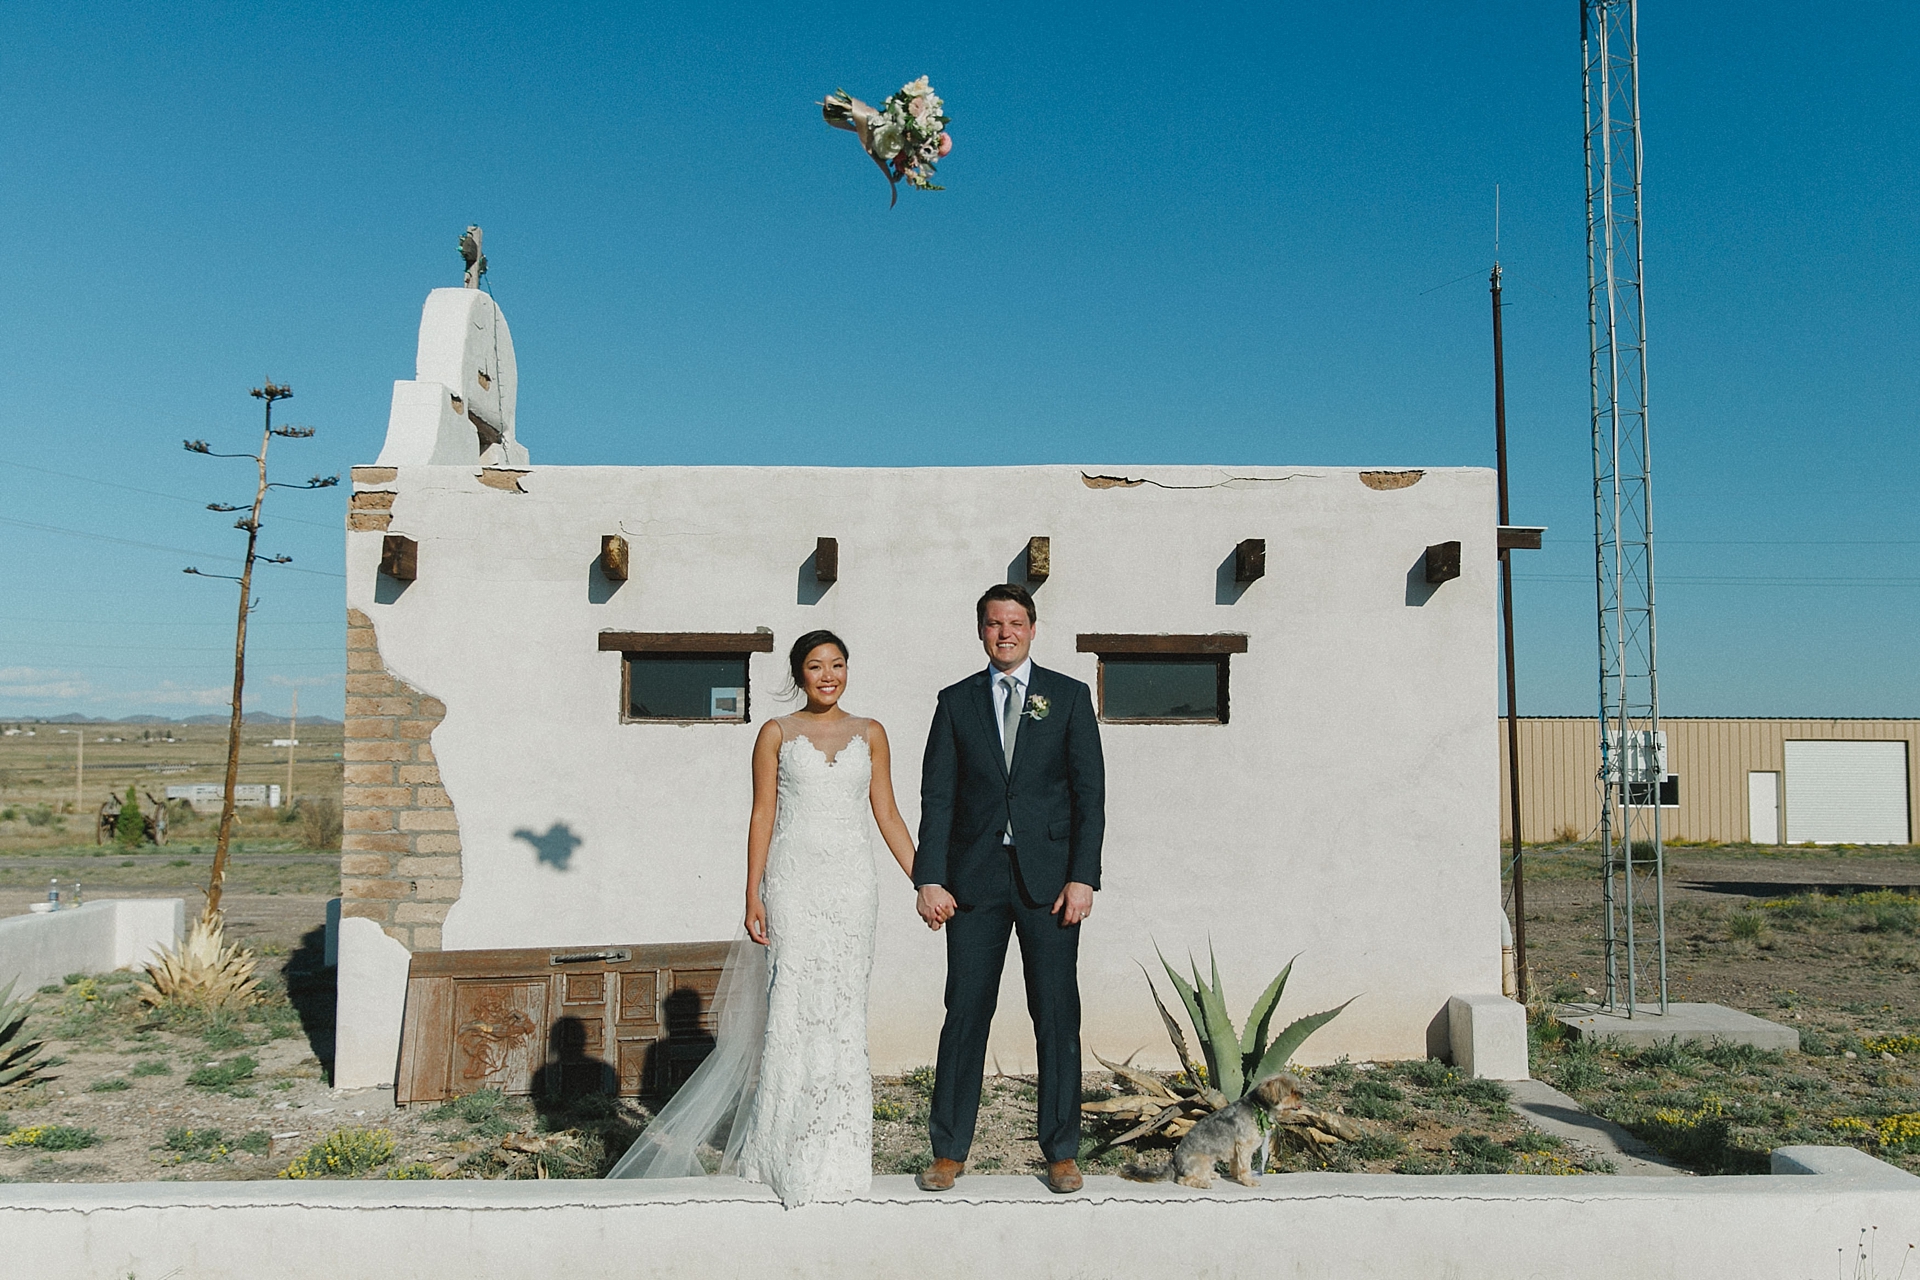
x=906, y=137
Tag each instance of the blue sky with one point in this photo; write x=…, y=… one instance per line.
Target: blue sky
x=1206, y=234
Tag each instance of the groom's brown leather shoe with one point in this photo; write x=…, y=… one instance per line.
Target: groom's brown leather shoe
x=1063, y=1176
x=939, y=1175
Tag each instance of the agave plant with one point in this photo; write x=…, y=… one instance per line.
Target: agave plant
x=17, y=1054
x=1236, y=1059
x=203, y=972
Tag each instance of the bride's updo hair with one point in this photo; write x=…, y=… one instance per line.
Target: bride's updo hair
x=806, y=644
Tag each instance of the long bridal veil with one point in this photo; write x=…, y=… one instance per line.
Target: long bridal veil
x=710, y=1110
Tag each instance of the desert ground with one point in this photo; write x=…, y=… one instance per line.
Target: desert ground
x=1824, y=939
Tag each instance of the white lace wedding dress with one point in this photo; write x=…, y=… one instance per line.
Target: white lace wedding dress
x=809, y=1131
x=786, y=1097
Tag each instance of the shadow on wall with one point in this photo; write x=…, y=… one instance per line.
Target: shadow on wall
x=600, y=587
x=1227, y=588
x=1419, y=590
x=554, y=847
x=386, y=589
x=810, y=589
x=570, y=1070
x=686, y=1045
x=1017, y=575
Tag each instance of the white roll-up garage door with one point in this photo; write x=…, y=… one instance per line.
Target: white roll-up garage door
x=1846, y=792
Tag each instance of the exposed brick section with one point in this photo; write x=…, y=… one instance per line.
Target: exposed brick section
x=400, y=857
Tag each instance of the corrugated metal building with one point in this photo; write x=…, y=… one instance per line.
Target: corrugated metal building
x=1768, y=781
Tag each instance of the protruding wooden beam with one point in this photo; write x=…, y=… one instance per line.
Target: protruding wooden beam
x=613, y=557
x=826, y=559
x=1039, y=558
x=399, y=557
x=1443, y=562
x=1521, y=537
x=1250, y=560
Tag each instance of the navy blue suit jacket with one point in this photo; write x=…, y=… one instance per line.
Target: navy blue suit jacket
x=1054, y=795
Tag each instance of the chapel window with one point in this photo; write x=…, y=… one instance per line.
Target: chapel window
x=685, y=677
x=1163, y=679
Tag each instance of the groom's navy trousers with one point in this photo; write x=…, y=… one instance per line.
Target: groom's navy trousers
x=1052, y=797
x=976, y=954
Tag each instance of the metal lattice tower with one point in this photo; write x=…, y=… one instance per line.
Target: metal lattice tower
x=1632, y=748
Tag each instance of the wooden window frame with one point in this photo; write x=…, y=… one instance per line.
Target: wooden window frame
x=684, y=644
x=1217, y=649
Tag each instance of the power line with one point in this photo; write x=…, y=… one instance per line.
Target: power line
x=152, y=546
x=173, y=497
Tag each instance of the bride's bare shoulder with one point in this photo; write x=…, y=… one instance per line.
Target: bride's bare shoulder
x=772, y=733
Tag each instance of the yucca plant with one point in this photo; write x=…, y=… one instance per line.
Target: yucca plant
x=203, y=972
x=1236, y=1059
x=18, y=1055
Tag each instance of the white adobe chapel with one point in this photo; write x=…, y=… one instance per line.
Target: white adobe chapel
x=556, y=675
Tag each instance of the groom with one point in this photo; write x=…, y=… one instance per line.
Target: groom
x=1012, y=812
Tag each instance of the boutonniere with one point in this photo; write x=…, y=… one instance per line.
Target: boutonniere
x=1037, y=707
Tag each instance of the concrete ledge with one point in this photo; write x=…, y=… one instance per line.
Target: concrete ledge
x=1304, y=1225
x=1488, y=1035
x=1687, y=1023
x=93, y=938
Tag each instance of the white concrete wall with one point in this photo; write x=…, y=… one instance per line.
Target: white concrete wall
x=1349, y=811
x=96, y=937
x=1336, y=1226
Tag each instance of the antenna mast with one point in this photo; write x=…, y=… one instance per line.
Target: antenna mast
x=1632, y=748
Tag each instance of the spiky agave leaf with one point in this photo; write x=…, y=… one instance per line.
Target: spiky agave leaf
x=1223, y=1042
x=202, y=972
x=1253, y=1040
x=17, y=1054
x=1274, y=1061
x=1190, y=997
x=1187, y=1064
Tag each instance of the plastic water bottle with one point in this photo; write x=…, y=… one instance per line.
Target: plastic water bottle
x=53, y=894
x=74, y=899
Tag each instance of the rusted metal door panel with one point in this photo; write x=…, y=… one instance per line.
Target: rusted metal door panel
x=634, y=1020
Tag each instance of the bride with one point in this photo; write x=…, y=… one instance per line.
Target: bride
x=787, y=1096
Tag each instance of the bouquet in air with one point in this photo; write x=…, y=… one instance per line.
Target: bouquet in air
x=906, y=137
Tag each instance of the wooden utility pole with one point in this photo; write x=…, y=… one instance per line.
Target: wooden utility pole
x=293, y=740
x=1506, y=623
x=80, y=772
x=250, y=524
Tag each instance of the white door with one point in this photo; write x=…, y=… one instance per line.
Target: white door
x=1846, y=792
x=1763, y=808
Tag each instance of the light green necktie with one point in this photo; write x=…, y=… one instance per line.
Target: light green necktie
x=1010, y=717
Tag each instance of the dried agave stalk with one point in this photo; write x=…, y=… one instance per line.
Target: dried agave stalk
x=18, y=1055
x=203, y=972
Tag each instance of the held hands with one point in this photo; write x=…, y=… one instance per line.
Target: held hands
x=756, y=919
x=1074, y=904
x=935, y=905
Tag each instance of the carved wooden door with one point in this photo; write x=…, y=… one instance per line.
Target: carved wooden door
x=628, y=1020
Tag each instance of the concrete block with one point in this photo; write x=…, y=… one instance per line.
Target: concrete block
x=143, y=926
x=372, y=997
x=1686, y=1023
x=94, y=938
x=1488, y=1034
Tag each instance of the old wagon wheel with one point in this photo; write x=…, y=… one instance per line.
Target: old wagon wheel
x=156, y=822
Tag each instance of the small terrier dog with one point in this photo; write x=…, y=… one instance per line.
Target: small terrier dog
x=1234, y=1133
